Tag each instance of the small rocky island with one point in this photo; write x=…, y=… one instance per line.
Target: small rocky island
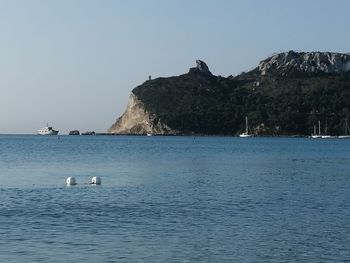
x=286, y=94
x=74, y=132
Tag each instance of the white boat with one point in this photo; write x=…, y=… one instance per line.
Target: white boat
x=346, y=135
x=47, y=131
x=246, y=133
x=326, y=135
x=315, y=135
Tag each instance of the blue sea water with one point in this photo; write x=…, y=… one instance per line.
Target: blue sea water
x=174, y=199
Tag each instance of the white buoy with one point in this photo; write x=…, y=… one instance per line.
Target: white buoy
x=96, y=180
x=71, y=181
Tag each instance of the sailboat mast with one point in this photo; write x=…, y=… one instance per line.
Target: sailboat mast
x=246, y=124
x=346, y=126
x=319, y=127
x=314, y=129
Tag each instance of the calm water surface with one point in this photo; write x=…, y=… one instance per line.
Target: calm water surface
x=174, y=199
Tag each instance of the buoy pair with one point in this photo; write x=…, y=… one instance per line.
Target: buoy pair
x=94, y=180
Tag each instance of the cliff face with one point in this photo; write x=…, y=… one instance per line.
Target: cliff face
x=287, y=94
x=138, y=120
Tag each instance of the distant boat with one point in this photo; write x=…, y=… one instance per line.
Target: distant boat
x=149, y=134
x=346, y=135
x=246, y=133
x=315, y=135
x=47, y=131
x=319, y=135
x=326, y=135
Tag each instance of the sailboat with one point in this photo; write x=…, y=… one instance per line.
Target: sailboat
x=346, y=135
x=246, y=133
x=326, y=135
x=315, y=135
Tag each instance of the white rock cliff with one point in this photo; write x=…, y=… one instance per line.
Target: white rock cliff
x=137, y=120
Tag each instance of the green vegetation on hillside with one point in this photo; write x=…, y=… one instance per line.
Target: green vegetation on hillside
x=205, y=104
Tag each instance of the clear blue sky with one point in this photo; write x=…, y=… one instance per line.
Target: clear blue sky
x=73, y=63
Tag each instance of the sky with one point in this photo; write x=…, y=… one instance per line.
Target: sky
x=72, y=64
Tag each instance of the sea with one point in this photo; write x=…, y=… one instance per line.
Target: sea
x=174, y=199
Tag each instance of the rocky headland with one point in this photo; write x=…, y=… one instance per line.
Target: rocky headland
x=286, y=94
